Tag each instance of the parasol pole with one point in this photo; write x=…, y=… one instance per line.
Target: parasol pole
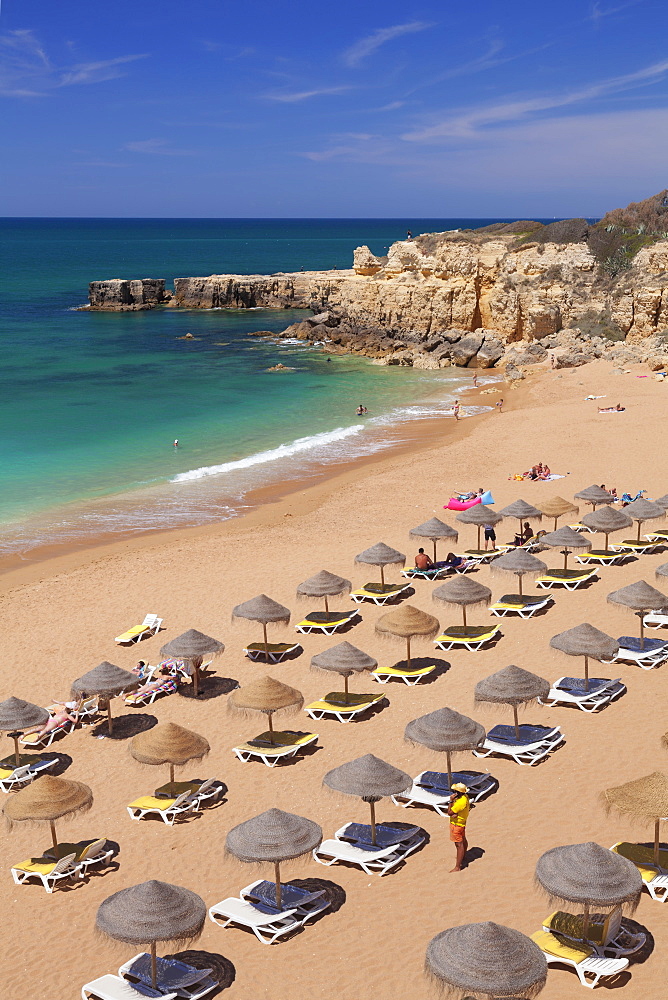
x=382, y=576
x=372, y=806
x=519, y=579
x=586, y=672
x=585, y=922
x=52, y=824
x=17, y=755
x=110, y=721
x=408, y=652
x=641, y=616
x=154, y=967
x=271, y=729
x=565, y=553
x=345, y=687
x=277, y=876
x=196, y=661
x=434, y=541
x=464, y=613
x=448, y=760
x=656, y=840
x=638, y=536
x=266, y=641
x=326, y=605
x=171, y=779
x=517, y=724
x=478, y=538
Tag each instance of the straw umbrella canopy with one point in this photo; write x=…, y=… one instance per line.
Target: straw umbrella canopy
x=512, y=686
x=480, y=515
x=326, y=585
x=264, y=610
x=46, y=799
x=568, y=540
x=434, y=529
x=585, y=640
x=170, y=744
x=344, y=659
x=273, y=836
x=107, y=681
x=370, y=779
x=521, y=563
x=381, y=555
x=644, y=510
x=645, y=798
x=462, y=590
x=446, y=731
x=662, y=501
x=589, y=875
x=407, y=622
x=268, y=696
x=595, y=495
x=487, y=959
x=193, y=647
x=16, y=716
x=661, y=570
x=522, y=511
x=150, y=912
x=606, y=520
x=556, y=508
x=641, y=598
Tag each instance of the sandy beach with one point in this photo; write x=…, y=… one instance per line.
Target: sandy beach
x=59, y=618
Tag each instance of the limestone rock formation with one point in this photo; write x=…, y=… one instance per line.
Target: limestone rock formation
x=119, y=295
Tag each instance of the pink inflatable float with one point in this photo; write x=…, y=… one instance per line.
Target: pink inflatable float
x=453, y=504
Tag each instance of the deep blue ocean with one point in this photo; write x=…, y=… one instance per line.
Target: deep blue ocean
x=90, y=403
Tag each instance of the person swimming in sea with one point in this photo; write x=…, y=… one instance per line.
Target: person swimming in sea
x=361, y=410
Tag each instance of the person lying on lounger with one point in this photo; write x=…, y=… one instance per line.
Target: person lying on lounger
x=611, y=409
x=454, y=562
x=53, y=722
x=162, y=683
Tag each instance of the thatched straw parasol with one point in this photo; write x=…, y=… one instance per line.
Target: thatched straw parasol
x=589, y=875
x=645, y=798
x=641, y=598
x=644, y=510
x=567, y=539
x=606, y=520
x=193, y=648
x=662, y=501
x=585, y=640
x=371, y=780
x=326, y=585
x=462, y=590
x=107, y=681
x=273, y=836
x=661, y=570
x=556, y=508
x=16, y=716
x=520, y=562
x=46, y=799
x=446, y=731
x=381, y=555
x=480, y=515
x=512, y=686
x=268, y=696
x=595, y=495
x=522, y=511
x=405, y=623
x=487, y=959
x=344, y=659
x=434, y=529
x=262, y=609
x=170, y=744
x=150, y=912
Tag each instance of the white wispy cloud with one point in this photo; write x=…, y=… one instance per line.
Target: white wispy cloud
x=97, y=72
x=158, y=147
x=366, y=46
x=294, y=96
x=598, y=12
x=469, y=122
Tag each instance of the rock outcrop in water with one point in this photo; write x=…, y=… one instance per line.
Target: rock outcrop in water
x=120, y=295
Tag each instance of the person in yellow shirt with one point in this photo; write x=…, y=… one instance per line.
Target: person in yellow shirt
x=458, y=811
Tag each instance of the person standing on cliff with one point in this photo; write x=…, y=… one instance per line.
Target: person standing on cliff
x=409, y=235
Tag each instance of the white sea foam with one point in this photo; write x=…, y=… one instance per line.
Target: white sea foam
x=272, y=455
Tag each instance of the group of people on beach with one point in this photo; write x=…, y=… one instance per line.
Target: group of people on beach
x=539, y=471
x=451, y=561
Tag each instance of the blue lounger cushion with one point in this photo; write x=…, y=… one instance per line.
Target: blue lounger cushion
x=632, y=642
x=528, y=734
x=437, y=781
x=171, y=974
x=263, y=897
x=576, y=685
x=386, y=836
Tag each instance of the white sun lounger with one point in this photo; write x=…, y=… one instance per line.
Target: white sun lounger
x=418, y=794
x=276, y=651
x=648, y=658
x=471, y=637
x=581, y=957
x=410, y=677
x=640, y=548
x=205, y=984
x=23, y=775
x=327, y=709
x=524, y=607
x=606, y=936
x=327, y=623
x=656, y=619
x=47, y=871
x=114, y=988
x=378, y=594
x=378, y=862
x=654, y=877
x=611, y=558
x=267, y=927
x=44, y=741
x=287, y=745
x=601, y=692
x=148, y=627
x=575, y=579
x=524, y=752
x=166, y=809
x=304, y=912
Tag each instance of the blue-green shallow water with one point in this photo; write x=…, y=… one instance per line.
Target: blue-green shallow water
x=90, y=403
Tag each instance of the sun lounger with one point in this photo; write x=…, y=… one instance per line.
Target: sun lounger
x=87, y=710
x=534, y=743
x=581, y=957
x=267, y=927
x=304, y=903
x=605, y=934
x=277, y=651
x=386, y=836
x=172, y=976
x=285, y=744
x=656, y=619
x=471, y=637
x=581, y=527
x=640, y=548
x=336, y=705
x=48, y=871
x=571, y=691
x=379, y=593
x=601, y=557
x=517, y=604
x=327, y=622
x=149, y=626
x=373, y=861
x=410, y=677
x=44, y=741
x=114, y=988
x=435, y=573
x=571, y=579
x=655, y=877
x=202, y=791
x=653, y=653
x=166, y=686
x=87, y=853
x=18, y=777
x=430, y=788
x=166, y=809
x=658, y=536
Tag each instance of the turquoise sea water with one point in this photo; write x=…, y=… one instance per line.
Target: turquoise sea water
x=90, y=403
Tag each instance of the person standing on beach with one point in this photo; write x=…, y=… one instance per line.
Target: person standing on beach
x=499, y=405
x=458, y=811
x=455, y=410
x=475, y=381
x=490, y=536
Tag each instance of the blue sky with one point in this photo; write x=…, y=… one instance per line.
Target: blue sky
x=352, y=109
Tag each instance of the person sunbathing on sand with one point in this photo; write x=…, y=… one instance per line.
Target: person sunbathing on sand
x=611, y=409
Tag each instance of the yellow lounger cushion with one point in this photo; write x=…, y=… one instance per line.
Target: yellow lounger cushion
x=276, y=751
x=37, y=866
x=5, y=774
x=560, y=949
x=274, y=647
x=568, y=575
x=131, y=633
x=472, y=633
x=642, y=857
x=178, y=788
x=286, y=739
x=330, y=624
x=150, y=802
x=355, y=703
x=379, y=590
x=572, y=926
x=403, y=672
